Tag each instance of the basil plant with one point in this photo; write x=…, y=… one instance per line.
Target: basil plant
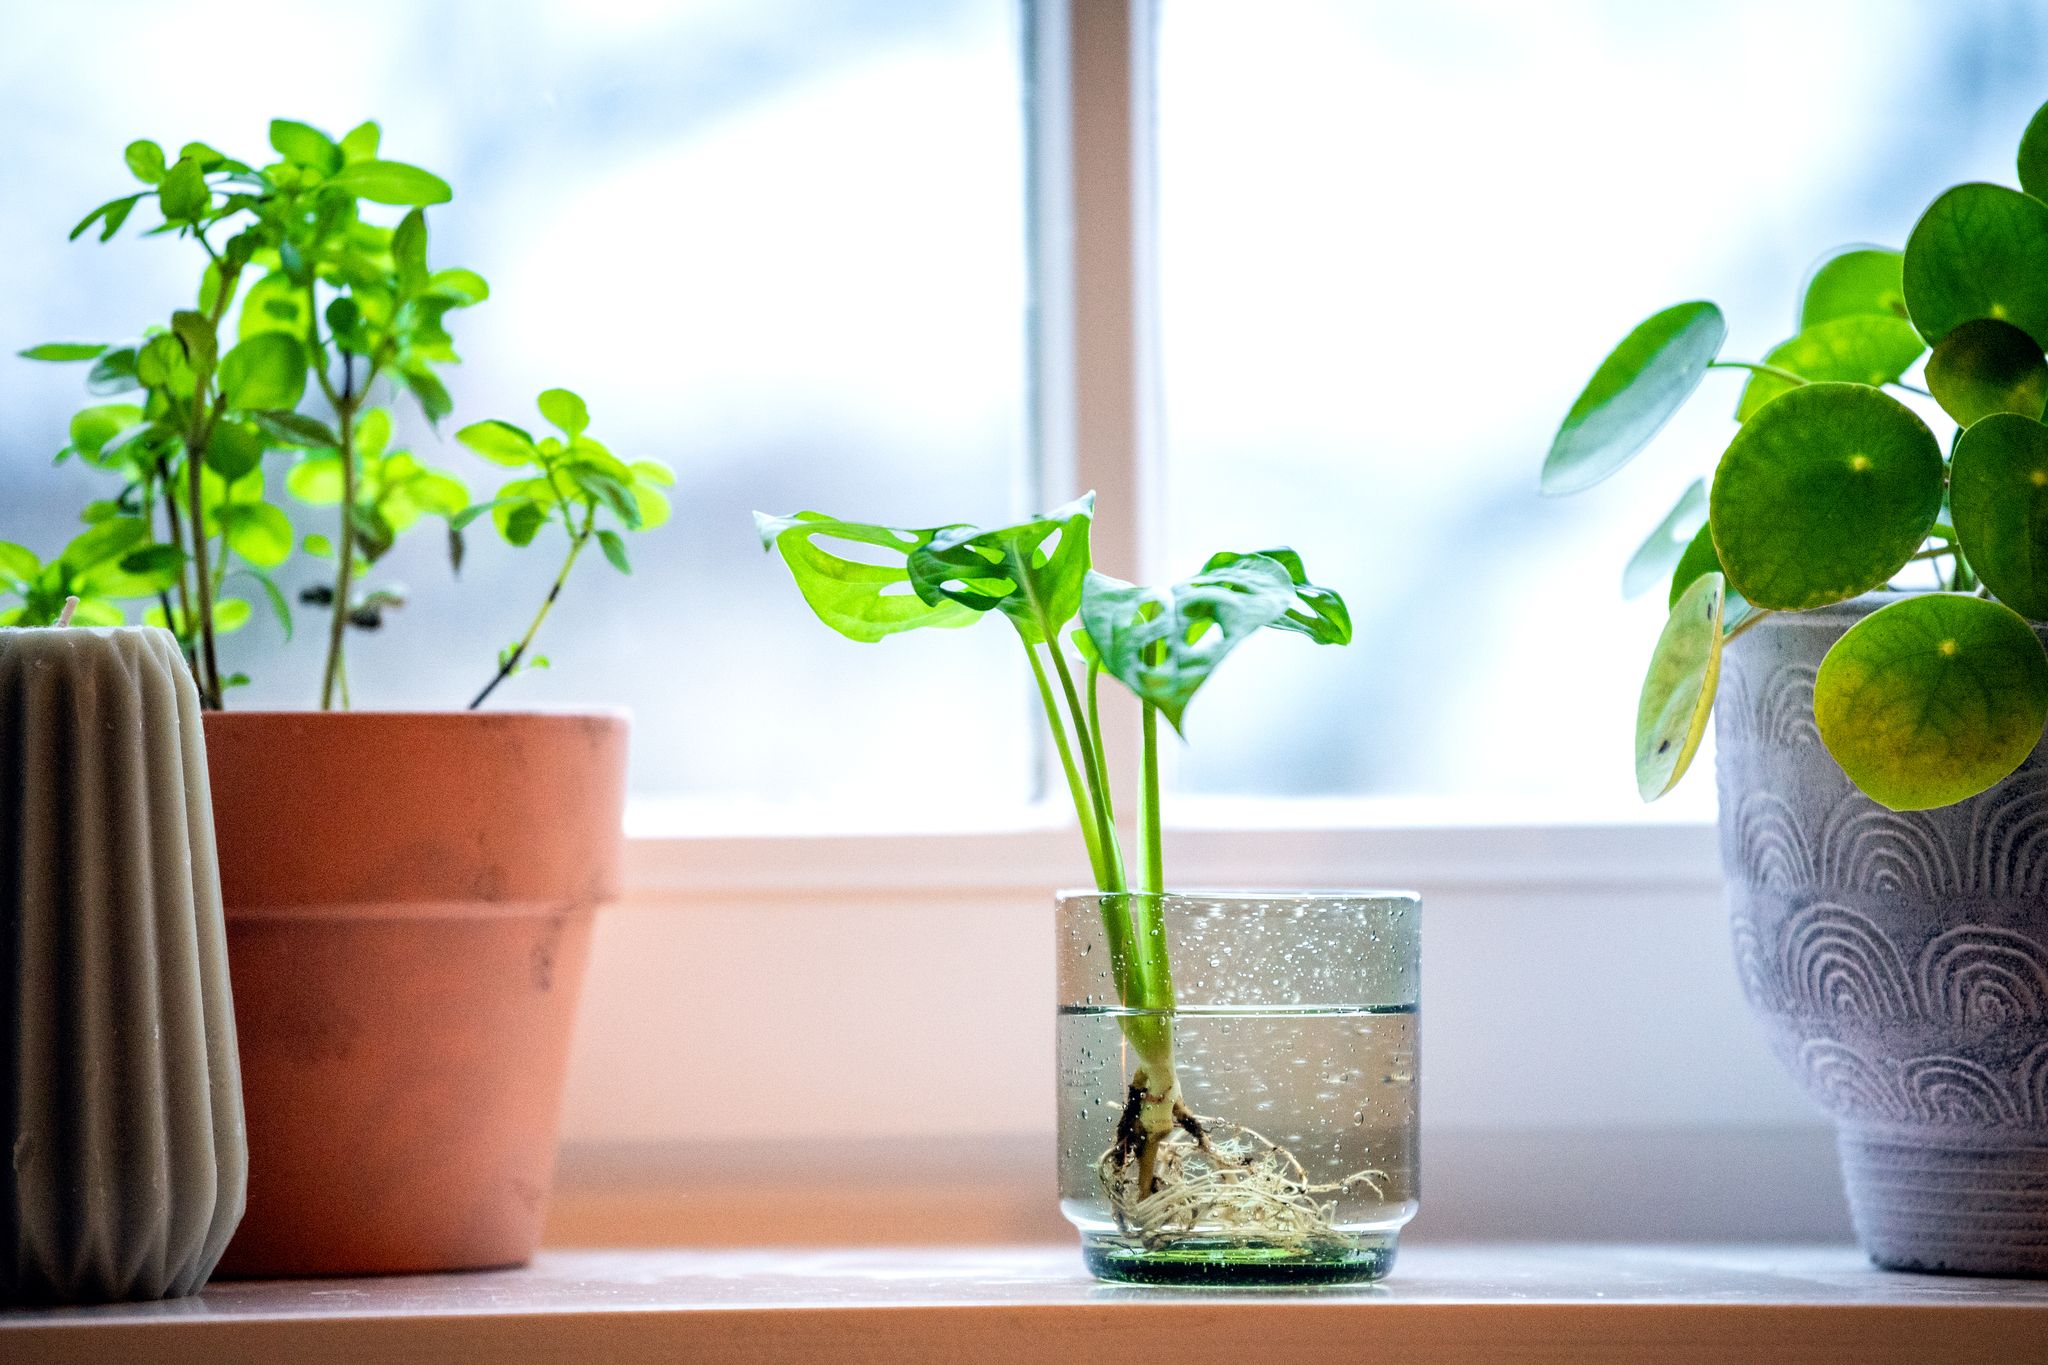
x=308, y=319
x=1834, y=484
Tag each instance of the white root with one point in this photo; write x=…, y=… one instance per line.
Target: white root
x=1225, y=1181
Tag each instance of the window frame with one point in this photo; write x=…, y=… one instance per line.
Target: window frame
x=1093, y=407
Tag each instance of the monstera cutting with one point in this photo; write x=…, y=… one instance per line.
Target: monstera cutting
x=1171, y=1177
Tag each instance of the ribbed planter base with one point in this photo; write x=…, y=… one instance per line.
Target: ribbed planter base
x=1926, y=1205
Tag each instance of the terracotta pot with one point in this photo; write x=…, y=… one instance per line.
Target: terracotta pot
x=408, y=907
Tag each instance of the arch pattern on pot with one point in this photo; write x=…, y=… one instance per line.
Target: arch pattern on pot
x=1827, y=959
x=1778, y=712
x=1940, y=1088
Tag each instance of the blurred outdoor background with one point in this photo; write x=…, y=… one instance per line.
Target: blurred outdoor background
x=780, y=244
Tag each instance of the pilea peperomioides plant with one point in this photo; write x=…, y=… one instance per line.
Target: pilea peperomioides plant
x=1075, y=625
x=1834, y=484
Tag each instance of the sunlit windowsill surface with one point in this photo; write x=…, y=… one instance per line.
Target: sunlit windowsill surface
x=1445, y=1304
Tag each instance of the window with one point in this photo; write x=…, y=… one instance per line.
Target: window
x=780, y=246
x=784, y=246
x=1394, y=240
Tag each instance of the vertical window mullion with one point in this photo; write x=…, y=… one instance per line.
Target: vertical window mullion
x=1095, y=381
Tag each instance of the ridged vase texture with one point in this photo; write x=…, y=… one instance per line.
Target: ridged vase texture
x=120, y=1100
x=1899, y=963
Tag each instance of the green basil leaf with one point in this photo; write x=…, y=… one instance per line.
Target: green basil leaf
x=614, y=550
x=183, y=195
x=145, y=161
x=566, y=411
x=295, y=429
x=62, y=351
x=391, y=182
x=500, y=443
x=267, y=371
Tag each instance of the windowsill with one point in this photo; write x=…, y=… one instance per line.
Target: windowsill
x=1445, y=1303
x=673, y=853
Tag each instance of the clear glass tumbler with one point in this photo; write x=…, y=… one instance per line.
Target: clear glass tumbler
x=1252, y=1122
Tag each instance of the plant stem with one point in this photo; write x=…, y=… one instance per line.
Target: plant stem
x=1755, y=616
x=344, y=404
x=1151, y=843
x=1091, y=766
x=1774, y=371
x=1095, y=735
x=184, y=612
x=511, y=662
x=1075, y=787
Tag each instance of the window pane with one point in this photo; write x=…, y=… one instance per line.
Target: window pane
x=779, y=245
x=1395, y=241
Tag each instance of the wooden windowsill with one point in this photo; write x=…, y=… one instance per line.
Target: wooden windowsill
x=1445, y=1303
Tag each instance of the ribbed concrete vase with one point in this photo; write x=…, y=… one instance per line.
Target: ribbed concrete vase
x=1899, y=962
x=119, y=1095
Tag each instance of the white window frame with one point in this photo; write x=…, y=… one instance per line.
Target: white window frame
x=1094, y=412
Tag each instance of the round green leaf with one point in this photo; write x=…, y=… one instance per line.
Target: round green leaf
x=1861, y=282
x=258, y=533
x=500, y=443
x=1659, y=553
x=1824, y=495
x=1933, y=699
x=1998, y=493
x=1678, y=691
x=317, y=480
x=2033, y=156
x=230, y=614
x=1988, y=366
x=233, y=449
x=566, y=410
x=145, y=161
x=265, y=371
x=1633, y=394
x=1865, y=349
x=1980, y=251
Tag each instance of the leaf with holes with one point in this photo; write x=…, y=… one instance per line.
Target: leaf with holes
x=864, y=596
x=1164, y=643
x=1032, y=572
